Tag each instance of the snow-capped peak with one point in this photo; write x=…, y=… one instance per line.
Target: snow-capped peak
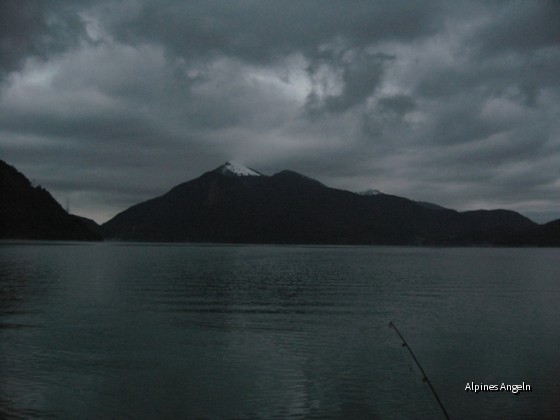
x=370, y=192
x=237, y=169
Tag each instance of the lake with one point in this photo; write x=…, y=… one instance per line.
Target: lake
x=126, y=330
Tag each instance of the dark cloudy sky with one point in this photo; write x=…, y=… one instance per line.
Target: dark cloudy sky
x=107, y=103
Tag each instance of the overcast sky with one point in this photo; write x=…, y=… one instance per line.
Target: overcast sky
x=109, y=103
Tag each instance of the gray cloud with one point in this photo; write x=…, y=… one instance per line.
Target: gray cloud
x=36, y=28
x=521, y=27
x=397, y=104
x=110, y=103
x=343, y=79
x=262, y=31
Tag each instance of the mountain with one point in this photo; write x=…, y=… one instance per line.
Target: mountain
x=235, y=204
x=432, y=206
x=232, y=168
x=550, y=234
x=547, y=234
x=92, y=225
x=28, y=212
x=371, y=191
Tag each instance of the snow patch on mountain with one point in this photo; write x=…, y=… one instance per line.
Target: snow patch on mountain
x=237, y=169
x=370, y=192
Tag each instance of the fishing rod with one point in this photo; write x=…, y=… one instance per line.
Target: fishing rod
x=425, y=379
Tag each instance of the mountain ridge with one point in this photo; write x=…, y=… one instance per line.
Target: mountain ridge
x=236, y=204
x=30, y=212
x=288, y=207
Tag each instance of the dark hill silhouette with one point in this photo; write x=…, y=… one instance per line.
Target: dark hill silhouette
x=550, y=234
x=243, y=206
x=547, y=234
x=28, y=212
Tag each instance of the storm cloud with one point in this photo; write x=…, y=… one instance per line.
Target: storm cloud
x=108, y=103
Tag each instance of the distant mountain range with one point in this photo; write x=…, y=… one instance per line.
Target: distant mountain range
x=28, y=212
x=236, y=204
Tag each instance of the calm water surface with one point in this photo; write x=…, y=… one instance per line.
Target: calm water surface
x=249, y=332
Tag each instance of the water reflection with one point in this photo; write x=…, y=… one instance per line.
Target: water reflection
x=21, y=281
